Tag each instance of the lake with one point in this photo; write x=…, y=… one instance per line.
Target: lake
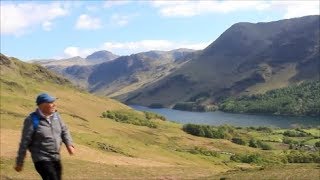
x=219, y=118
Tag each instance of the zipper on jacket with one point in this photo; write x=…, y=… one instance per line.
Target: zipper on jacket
x=54, y=138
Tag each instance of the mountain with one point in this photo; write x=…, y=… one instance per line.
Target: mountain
x=100, y=57
x=123, y=74
x=248, y=58
x=62, y=62
x=128, y=73
x=95, y=58
x=77, y=69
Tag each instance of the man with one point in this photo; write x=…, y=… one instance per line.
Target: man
x=43, y=133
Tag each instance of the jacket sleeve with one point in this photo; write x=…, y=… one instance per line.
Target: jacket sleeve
x=26, y=138
x=65, y=134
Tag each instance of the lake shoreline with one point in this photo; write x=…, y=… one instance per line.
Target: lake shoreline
x=235, y=119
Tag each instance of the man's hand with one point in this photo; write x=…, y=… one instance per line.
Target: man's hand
x=18, y=168
x=71, y=149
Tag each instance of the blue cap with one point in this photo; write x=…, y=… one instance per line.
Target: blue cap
x=44, y=98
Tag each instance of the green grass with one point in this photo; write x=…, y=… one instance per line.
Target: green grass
x=108, y=149
x=312, y=141
x=290, y=171
x=313, y=131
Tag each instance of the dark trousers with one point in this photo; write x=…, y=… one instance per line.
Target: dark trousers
x=49, y=170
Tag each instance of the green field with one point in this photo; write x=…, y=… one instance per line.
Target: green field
x=107, y=149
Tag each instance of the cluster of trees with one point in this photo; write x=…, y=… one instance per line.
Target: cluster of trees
x=241, y=136
x=302, y=99
x=303, y=157
x=287, y=157
x=261, y=128
x=220, y=132
x=131, y=117
x=248, y=158
x=226, y=132
x=296, y=133
x=259, y=144
x=236, y=135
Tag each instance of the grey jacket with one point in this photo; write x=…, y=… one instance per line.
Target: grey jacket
x=45, y=141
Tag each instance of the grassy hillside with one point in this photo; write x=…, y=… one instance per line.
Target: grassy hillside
x=106, y=149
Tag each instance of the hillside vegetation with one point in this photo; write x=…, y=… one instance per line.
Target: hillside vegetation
x=106, y=148
x=303, y=99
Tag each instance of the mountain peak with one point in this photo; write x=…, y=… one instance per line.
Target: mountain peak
x=101, y=56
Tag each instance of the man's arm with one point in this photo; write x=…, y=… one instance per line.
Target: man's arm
x=66, y=137
x=26, y=138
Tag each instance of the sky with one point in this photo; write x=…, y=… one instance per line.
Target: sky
x=64, y=29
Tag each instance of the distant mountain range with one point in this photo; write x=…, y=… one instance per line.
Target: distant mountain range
x=76, y=69
x=107, y=74
x=248, y=58
x=95, y=58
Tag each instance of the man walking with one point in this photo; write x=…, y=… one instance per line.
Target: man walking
x=43, y=133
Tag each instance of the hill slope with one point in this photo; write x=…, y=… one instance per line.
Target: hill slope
x=246, y=59
x=105, y=148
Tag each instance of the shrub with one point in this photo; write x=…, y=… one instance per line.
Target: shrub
x=129, y=117
x=253, y=143
x=238, y=140
x=303, y=157
x=204, y=131
x=294, y=133
x=203, y=151
x=264, y=129
x=247, y=158
x=151, y=115
x=263, y=145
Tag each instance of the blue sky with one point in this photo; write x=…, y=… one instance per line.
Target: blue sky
x=63, y=29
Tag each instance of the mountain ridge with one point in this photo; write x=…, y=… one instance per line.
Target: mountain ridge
x=244, y=57
x=124, y=73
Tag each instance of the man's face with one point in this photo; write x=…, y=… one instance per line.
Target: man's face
x=47, y=108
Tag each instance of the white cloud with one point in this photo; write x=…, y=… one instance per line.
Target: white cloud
x=92, y=8
x=47, y=26
x=112, y=3
x=297, y=8
x=127, y=48
x=193, y=8
x=17, y=19
x=86, y=22
x=76, y=51
x=120, y=20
